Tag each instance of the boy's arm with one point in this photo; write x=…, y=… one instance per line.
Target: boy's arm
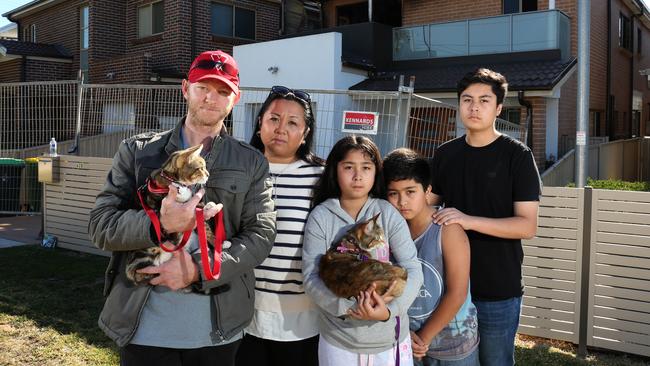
x=522, y=225
x=455, y=254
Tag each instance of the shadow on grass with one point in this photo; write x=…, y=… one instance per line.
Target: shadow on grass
x=58, y=289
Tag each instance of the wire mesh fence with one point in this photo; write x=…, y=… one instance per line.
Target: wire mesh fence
x=92, y=119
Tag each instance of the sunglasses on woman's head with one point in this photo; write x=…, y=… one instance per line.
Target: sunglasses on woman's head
x=284, y=92
x=219, y=65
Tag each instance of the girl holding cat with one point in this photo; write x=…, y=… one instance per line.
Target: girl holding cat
x=284, y=328
x=370, y=329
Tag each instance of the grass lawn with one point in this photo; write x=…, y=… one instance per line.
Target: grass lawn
x=50, y=301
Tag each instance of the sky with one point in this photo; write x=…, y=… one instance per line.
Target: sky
x=7, y=5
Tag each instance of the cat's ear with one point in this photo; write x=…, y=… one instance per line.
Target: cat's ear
x=196, y=150
x=370, y=227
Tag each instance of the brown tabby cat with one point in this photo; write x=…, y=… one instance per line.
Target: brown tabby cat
x=347, y=267
x=186, y=169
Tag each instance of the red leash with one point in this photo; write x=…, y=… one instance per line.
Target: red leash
x=219, y=237
x=156, y=223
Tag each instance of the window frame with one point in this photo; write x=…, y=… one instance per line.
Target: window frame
x=625, y=38
x=84, y=11
x=32, y=33
x=233, y=13
x=151, y=20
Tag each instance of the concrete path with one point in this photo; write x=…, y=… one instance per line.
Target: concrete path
x=20, y=230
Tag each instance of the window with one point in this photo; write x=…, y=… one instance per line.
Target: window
x=519, y=6
x=352, y=14
x=233, y=21
x=151, y=19
x=624, y=32
x=83, y=39
x=511, y=115
x=32, y=34
x=595, y=124
x=638, y=41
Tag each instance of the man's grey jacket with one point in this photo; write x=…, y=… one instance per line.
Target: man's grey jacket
x=238, y=179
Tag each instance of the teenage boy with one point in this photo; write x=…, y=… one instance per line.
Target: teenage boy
x=442, y=318
x=490, y=186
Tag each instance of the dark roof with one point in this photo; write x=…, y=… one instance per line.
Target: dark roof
x=21, y=48
x=521, y=75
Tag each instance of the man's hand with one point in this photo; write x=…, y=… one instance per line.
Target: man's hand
x=450, y=215
x=176, y=217
x=177, y=273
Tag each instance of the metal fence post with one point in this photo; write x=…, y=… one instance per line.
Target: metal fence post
x=398, y=116
x=80, y=87
x=407, y=117
x=585, y=272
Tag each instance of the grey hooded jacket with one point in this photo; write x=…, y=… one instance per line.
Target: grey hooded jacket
x=327, y=223
x=238, y=179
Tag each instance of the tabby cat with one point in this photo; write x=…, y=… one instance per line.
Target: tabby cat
x=185, y=171
x=347, y=267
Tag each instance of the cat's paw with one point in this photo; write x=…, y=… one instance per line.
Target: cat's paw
x=211, y=209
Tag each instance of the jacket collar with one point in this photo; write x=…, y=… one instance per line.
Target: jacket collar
x=174, y=143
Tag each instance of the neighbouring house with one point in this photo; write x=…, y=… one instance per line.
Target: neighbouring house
x=9, y=31
x=133, y=41
x=532, y=42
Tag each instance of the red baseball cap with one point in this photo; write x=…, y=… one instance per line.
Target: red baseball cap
x=215, y=65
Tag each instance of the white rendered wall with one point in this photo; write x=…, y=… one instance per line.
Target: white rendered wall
x=309, y=62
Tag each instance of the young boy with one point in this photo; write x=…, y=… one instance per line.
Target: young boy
x=490, y=186
x=442, y=318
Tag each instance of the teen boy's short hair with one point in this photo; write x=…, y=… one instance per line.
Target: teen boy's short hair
x=404, y=164
x=495, y=80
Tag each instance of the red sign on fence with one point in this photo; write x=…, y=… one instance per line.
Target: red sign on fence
x=360, y=122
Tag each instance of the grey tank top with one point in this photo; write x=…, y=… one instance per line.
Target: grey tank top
x=460, y=337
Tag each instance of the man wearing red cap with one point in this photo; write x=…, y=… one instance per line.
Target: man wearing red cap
x=156, y=324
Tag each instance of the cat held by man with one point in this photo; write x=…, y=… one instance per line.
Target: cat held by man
x=185, y=171
x=347, y=268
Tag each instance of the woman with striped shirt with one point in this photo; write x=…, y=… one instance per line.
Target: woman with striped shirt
x=284, y=328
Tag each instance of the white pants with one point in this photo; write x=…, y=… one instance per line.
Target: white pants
x=329, y=355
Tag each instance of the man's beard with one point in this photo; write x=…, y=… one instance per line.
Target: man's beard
x=193, y=112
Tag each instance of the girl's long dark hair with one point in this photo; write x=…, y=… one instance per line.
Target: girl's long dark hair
x=304, y=150
x=328, y=184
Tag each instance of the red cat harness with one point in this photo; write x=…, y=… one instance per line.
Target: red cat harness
x=220, y=235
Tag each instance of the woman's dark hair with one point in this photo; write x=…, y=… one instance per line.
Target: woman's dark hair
x=328, y=184
x=304, y=150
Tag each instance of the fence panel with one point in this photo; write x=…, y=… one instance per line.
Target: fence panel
x=69, y=201
x=551, y=270
x=619, y=292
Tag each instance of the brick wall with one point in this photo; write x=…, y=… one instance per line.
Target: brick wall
x=539, y=129
x=567, y=113
x=114, y=34
x=40, y=70
x=432, y=11
x=10, y=71
x=123, y=69
x=59, y=24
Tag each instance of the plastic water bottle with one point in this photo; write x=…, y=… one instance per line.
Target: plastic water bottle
x=53, y=147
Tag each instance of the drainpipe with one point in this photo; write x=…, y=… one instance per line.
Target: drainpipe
x=529, y=118
x=370, y=11
x=631, y=101
x=609, y=108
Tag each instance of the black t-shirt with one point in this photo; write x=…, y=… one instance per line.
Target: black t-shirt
x=486, y=181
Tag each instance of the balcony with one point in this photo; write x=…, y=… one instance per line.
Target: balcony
x=521, y=32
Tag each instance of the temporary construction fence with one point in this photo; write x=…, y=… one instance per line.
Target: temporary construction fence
x=92, y=119
x=585, y=272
